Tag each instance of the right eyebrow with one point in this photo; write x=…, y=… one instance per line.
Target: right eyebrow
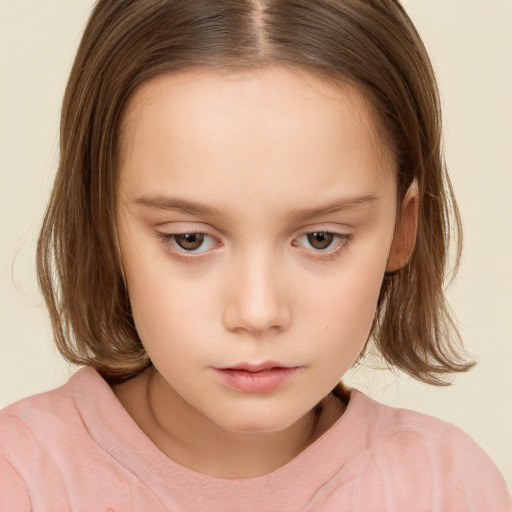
x=181, y=205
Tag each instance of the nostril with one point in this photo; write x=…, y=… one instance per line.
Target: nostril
x=255, y=318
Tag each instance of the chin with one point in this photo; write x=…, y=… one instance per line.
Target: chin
x=254, y=422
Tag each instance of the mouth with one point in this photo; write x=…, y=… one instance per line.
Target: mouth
x=254, y=368
x=261, y=378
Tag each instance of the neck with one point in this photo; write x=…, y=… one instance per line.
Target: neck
x=197, y=443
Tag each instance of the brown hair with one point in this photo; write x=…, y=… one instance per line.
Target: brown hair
x=371, y=44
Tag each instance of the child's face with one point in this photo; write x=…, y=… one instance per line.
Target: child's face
x=256, y=215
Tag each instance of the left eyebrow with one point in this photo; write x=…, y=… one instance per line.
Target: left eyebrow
x=334, y=207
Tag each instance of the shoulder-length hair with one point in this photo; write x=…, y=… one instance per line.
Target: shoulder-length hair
x=371, y=44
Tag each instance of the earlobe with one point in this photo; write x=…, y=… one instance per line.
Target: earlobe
x=404, y=238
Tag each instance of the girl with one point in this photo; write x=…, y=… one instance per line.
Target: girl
x=248, y=190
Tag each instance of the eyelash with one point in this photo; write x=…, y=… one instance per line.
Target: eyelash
x=168, y=240
x=328, y=254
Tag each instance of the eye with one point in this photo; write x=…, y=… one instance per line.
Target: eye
x=322, y=241
x=195, y=243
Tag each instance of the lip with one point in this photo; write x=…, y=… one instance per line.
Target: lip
x=256, y=378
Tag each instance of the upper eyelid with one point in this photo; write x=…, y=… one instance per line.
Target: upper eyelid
x=331, y=227
x=217, y=234
x=169, y=242
x=181, y=228
x=343, y=237
x=174, y=234
x=325, y=228
x=184, y=227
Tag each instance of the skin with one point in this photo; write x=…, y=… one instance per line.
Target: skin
x=264, y=157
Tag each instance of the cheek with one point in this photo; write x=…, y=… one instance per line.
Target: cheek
x=350, y=297
x=346, y=310
x=165, y=306
x=163, y=298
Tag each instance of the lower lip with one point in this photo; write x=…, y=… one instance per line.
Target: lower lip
x=263, y=381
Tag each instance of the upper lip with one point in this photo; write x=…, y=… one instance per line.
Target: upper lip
x=249, y=367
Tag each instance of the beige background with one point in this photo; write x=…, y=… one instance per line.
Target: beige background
x=470, y=42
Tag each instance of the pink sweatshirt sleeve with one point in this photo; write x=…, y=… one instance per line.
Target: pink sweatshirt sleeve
x=14, y=495
x=439, y=464
x=484, y=486
x=14, y=437
x=29, y=477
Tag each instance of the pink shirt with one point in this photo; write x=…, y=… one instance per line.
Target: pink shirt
x=76, y=448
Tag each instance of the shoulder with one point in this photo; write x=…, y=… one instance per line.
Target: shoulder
x=19, y=420
x=32, y=431
x=58, y=446
x=446, y=445
x=46, y=444
x=40, y=427
x=49, y=410
x=424, y=457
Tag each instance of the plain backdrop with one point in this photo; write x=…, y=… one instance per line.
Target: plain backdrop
x=470, y=42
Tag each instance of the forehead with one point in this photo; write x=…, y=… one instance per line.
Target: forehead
x=211, y=126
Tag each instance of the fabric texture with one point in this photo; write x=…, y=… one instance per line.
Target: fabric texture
x=77, y=449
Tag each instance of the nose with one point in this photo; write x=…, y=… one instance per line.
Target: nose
x=256, y=297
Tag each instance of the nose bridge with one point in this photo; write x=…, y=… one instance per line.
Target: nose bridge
x=256, y=301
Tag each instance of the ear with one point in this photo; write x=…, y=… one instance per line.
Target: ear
x=404, y=238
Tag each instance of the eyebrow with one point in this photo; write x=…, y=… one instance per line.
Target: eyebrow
x=334, y=207
x=197, y=208
x=183, y=205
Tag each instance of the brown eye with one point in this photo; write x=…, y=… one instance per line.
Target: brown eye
x=189, y=241
x=320, y=239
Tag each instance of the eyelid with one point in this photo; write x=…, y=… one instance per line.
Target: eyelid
x=168, y=239
x=180, y=227
x=175, y=229
x=344, y=239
